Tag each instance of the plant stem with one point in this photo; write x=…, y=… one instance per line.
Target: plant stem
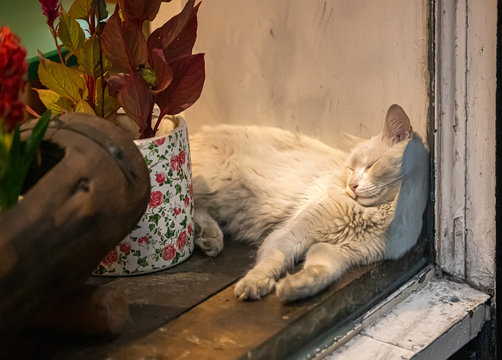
x=91, y=85
x=92, y=24
x=156, y=127
x=58, y=47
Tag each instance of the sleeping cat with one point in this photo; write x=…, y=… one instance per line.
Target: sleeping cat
x=300, y=198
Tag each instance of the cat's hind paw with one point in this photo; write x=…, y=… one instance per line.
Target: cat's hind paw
x=210, y=240
x=254, y=286
x=305, y=283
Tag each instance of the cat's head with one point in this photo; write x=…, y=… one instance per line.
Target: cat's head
x=374, y=165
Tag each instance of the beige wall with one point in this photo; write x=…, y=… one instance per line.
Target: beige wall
x=317, y=66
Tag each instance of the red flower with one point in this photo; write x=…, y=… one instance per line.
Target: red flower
x=159, y=141
x=168, y=252
x=187, y=201
x=182, y=240
x=190, y=229
x=50, y=9
x=12, y=69
x=111, y=257
x=175, y=163
x=177, y=211
x=181, y=157
x=143, y=239
x=190, y=190
x=125, y=248
x=160, y=178
x=155, y=199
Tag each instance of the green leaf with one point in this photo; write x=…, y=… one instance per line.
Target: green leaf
x=70, y=33
x=33, y=142
x=184, y=222
x=88, y=57
x=54, y=102
x=149, y=76
x=176, y=258
x=178, y=188
x=101, y=270
x=151, y=227
x=154, y=218
x=111, y=103
x=11, y=182
x=19, y=161
x=81, y=9
x=83, y=107
x=170, y=232
x=142, y=261
x=4, y=156
x=100, y=8
x=63, y=80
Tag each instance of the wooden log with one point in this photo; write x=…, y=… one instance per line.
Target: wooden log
x=89, y=310
x=53, y=239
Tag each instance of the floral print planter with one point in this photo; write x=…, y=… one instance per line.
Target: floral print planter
x=164, y=235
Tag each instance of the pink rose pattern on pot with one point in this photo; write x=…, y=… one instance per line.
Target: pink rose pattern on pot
x=159, y=141
x=168, y=252
x=182, y=240
x=143, y=240
x=111, y=257
x=160, y=178
x=164, y=235
x=156, y=198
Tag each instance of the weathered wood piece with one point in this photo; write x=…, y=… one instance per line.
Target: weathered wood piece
x=89, y=310
x=51, y=241
x=154, y=300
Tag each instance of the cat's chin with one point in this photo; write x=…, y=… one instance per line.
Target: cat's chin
x=362, y=200
x=367, y=201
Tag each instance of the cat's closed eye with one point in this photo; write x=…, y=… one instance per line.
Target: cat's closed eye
x=370, y=165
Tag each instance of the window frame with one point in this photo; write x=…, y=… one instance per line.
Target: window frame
x=464, y=140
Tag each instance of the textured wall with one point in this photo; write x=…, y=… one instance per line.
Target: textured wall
x=314, y=66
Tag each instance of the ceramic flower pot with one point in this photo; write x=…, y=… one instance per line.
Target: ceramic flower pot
x=164, y=235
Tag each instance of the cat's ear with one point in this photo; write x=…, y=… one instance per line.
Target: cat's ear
x=397, y=125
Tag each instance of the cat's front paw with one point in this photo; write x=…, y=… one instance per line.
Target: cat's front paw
x=254, y=286
x=210, y=240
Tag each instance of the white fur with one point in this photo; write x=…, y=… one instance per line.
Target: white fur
x=290, y=193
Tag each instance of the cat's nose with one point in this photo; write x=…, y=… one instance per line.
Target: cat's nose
x=353, y=187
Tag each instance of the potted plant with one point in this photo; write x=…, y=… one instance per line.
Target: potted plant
x=151, y=79
x=15, y=156
x=63, y=191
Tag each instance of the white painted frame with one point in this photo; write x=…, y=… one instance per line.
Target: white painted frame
x=464, y=106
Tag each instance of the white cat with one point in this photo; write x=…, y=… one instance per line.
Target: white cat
x=300, y=198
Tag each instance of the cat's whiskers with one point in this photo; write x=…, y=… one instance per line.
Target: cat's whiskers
x=374, y=190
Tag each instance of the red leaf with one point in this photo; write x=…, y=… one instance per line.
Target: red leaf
x=111, y=41
x=163, y=72
x=124, y=43
x=140, y=10
x=185, y=87
x=137, y=101
x=176, y=37
x=135, y=43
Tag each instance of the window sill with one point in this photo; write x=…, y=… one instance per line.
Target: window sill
x=190, y=311
x=433, y=321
